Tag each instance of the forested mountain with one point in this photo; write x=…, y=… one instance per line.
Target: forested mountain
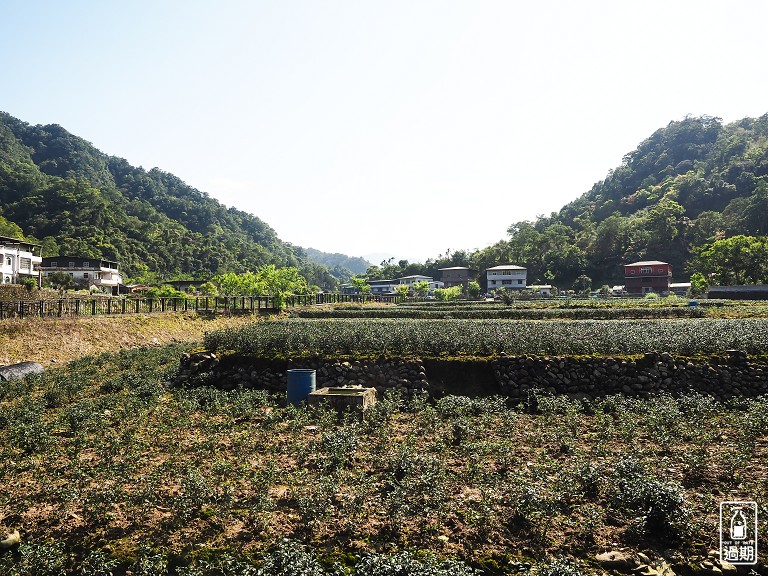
x=691, y=183
x=58, y=189
x=340, y=265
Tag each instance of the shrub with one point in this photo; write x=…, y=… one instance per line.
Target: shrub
x=559, y=567
x=407, y=564
x=290, y=559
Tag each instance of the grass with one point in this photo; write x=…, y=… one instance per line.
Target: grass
x=52, y=341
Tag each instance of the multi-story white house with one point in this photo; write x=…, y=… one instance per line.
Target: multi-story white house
x=20, y=260
x=387, y=287
x=506, y=276
x=86, y=272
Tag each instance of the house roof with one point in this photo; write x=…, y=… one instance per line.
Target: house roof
x=455, y=268
x=507, y=267
x=414, y=276
x=9, y=240
x=646, y=263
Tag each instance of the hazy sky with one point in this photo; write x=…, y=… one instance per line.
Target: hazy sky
x=390, y=128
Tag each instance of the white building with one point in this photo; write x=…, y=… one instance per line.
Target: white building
x=506, y=276
x=20, y=260
x=381, y=287
x=541, y=289
x=411, y=280
x=86, y=272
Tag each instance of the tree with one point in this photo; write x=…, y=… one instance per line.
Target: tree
x=402, y=290
x=60, y=281
x=361, y=283
x=735, y=260
x=208, y=289
x=445, y=294
x=420, y=288
x=473, y=289
x=583, y=284
x=699, y=284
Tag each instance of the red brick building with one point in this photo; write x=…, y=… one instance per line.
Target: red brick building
x=643, y=277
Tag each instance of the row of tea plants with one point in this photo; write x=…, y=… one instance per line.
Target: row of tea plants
x=473, y=337
x=105, y=469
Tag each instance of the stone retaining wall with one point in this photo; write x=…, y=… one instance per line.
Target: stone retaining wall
x=205, y=367
x=732, y=375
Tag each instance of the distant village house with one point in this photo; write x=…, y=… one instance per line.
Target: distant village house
x=86, y=272
x=541, y=289
x=20, y=260
x=387, y=287
x=506, y=276
x=640, y=278
x=457, y=276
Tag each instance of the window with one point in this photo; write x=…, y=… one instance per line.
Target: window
x=85, y=274
x=86, y=264
x=661, y=270
x=72, y=274
x=645, y=270
x=519, y=281
x=632, y=271
x=71, y=264
x=8, y=261
x=54, y=264
x=25, y=263
x=506, y=281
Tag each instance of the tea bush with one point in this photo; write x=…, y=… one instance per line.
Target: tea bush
x=407, y=337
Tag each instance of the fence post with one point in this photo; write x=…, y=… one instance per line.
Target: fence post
x=137, y=305
x=109, y=306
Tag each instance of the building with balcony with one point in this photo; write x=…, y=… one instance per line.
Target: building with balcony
x=640, y=278
x=86, y=272
x=20, y=259
x=507, y=276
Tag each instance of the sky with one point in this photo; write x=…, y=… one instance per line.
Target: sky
x=381, y=129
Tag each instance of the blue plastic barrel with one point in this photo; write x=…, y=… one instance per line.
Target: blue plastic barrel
x=301, y=382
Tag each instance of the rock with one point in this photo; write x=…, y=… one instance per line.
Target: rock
x=728, y=568
x=11, y=540
x=709, y=568
x=614, y=559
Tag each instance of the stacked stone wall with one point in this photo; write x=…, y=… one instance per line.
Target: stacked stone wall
x=732, y=375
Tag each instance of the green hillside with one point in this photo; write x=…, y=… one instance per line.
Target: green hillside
x=341, y=265
x=60, y=190
x=689, y=184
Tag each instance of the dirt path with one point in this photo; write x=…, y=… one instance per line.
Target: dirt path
x=59, y=340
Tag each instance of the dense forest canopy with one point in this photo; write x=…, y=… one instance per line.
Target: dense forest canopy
x=59, y=190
